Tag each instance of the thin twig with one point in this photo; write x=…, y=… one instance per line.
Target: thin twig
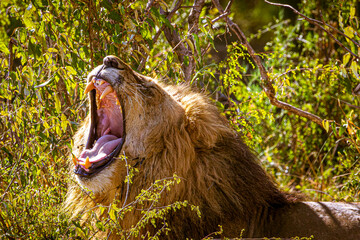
x=128, y=181
x=347, y=103
x=14, y=171
x=218, y=18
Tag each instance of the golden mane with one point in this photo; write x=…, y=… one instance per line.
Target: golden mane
x=176, y=130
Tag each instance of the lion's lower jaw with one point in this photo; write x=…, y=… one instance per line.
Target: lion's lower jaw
x=102, y=181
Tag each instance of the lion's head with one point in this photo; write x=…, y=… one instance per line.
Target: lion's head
x=130, y=114
x=161, y=130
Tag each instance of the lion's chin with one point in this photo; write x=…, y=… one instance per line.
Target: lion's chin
x=101, y=182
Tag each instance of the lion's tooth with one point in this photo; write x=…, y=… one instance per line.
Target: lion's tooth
x=101, y=82
x=87, y=163
x=75, y=160
x=89, y=87
x=107, y=90
x=117, y=102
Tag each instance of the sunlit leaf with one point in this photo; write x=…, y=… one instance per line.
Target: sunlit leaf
x=346, y=58
x=349, y=31
x=3, y=48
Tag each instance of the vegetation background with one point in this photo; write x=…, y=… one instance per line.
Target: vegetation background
x=47, y=47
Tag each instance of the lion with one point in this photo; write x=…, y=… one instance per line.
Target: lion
x=163, y=129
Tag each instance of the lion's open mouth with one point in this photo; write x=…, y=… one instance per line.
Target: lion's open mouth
x=106, y=135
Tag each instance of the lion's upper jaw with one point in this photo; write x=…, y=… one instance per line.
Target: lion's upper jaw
x=109, y=133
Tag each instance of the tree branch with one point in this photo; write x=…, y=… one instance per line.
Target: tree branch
x=157, y=35
x=178, y=45
x=90, y=19
x=266, y=83
x=193, y=18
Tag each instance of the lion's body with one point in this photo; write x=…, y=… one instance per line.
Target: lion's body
x=323, y=220
x=175, y=130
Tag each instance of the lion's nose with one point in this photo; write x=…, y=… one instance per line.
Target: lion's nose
x=112, y=61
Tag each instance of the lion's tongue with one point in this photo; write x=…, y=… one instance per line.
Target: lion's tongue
x=103, y=147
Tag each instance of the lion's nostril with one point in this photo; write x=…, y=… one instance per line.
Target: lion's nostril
x=110, y=61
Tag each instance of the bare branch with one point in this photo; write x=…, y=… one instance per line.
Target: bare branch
x=319, y=24
x=356, y=90
x=347, y=103
x=193, y=19
x=149, y=5
x=218, y=18
x=266, y=83
x=179, y=47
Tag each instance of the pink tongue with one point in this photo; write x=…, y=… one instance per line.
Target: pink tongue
x=103, y=147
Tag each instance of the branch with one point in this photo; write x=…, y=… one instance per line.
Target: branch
x=90, y=33
x=157, y=35
x=12, y=42
x=178, y=45
x=347, y=103
x=319, y=24
x=148, y=6
x=266, y=83
x=193, y=19
x=356, y=90
x=218, y=18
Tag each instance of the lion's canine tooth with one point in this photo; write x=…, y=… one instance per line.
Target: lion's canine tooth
x=101, y=82
x=107, y=90
x=87, y=163
x=117, y=102
x=75, y=160
x=89, y=87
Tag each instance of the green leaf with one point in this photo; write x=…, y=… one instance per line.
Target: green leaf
x=349, y=31
x=354, y=69
x=191, y=45
x=52, y=50
x=170, y=56
x=112, y=214
x=346, y=58
x=197, y=43
x=3, y=48
x=64, y=122
x=326, y=125
x=352, y=11
x=71, y=70
x=57, y=104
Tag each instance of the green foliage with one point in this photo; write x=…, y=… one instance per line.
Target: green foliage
x=46, y=50
x=311, y=72
x=107, y=218
x=48, y=47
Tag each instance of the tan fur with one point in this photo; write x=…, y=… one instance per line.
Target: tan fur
x=176, y=130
